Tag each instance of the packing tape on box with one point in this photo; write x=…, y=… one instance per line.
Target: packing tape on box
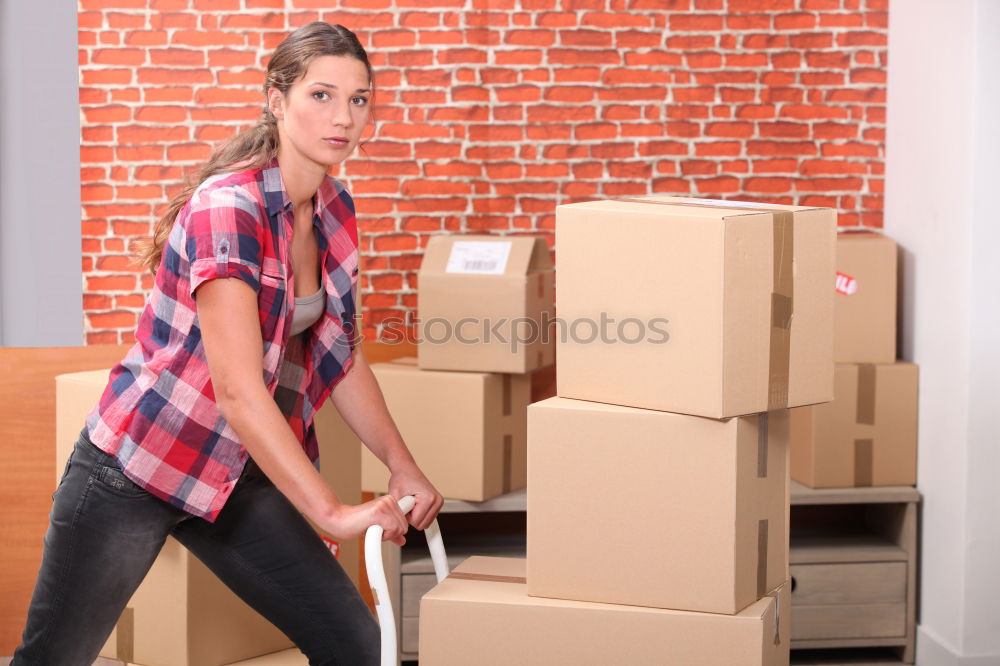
x=866, y=394
x=761, y=558
x=762, y=436
x=125, y=636
x=507, y=398
x=864, y=448
x=777, y=615
x=508, y=440
x=781, y=311
x=489, y=578
x=863, y=462
x=781, y=294
x=508, y=462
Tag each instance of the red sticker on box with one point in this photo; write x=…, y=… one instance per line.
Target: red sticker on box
x=846, y=284
x=332, y=545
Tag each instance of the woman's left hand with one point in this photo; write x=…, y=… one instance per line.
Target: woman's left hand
x=411, y=481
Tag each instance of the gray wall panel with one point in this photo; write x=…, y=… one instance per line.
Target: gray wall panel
x=40, y=278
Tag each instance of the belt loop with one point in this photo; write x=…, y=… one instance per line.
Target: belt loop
x=248, y=469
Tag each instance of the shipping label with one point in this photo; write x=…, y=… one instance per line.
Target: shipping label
x=479, y=257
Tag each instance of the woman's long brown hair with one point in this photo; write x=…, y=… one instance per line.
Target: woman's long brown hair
x=257, y=145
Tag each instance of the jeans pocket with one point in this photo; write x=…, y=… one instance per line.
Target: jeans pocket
x=110, y=476
x=69, y=461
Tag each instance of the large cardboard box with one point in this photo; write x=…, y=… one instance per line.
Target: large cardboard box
x=340, y=458
x=466, y=430
x=650, y=508
x=484, y=302
x=692, y=306
x=865, y=301
x=185, y=616
x=481, y=615
x=182, y=614
x=866, y=437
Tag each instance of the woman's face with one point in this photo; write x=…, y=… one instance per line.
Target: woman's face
x=322, y=116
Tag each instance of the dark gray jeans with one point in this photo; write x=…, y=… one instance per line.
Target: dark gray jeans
x=105, y=532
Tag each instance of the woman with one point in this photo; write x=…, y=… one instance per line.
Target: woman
x=205, y=430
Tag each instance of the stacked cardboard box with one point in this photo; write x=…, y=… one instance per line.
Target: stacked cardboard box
x=868, y=435
x=466, y=430
x=460, y=406
x=694, y=308
x=182, y=614
x=658, y=483
x=483, y=302
x=482, y=614
x=711, y=495
x=865, y=301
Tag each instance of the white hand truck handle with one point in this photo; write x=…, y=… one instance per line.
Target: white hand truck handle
x=376, y=577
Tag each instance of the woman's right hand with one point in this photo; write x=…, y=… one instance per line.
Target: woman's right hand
x=351, y=521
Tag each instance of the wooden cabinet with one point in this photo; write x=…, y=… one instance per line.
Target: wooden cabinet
x=853, y=562
x=28, y=449
x=852, y=559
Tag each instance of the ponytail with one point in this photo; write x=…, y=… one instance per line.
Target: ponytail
x=258, y=145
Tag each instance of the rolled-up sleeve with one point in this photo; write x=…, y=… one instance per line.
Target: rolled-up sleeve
x=223, y=237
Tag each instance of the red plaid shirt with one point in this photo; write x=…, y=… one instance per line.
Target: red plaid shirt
x=158, y=414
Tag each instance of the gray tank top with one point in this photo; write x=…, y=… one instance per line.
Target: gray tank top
x=308, y=310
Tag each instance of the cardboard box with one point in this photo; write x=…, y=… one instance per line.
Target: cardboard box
x=340, y=460
x=483, y=302
x=865, y=301
x=481, y=615
x=76, y=395
x=650, y=508
x=466, y=430
x=182, y=614
x=185, y=616
x=866, y=437
x=695, y=306
x=340, y=466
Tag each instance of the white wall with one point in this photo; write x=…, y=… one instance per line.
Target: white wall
x=982, y=555
x=942, y=177
x=41, y=288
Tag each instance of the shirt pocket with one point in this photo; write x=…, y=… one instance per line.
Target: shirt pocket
x=272, y=298
x=345, y=285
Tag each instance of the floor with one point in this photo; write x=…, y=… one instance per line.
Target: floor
x=857, y=657
x=853, y=657
x=799, y=658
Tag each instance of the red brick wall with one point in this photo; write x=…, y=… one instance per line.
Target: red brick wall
x=489, y=117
